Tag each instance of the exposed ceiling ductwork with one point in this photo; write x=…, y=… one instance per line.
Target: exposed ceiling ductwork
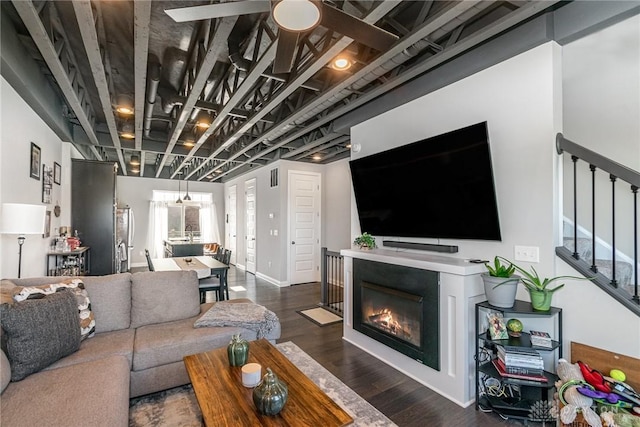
x=225, y=66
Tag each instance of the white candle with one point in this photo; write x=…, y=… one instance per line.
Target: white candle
x=251, y=374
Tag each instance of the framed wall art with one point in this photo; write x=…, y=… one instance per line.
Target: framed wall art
x=57, y=171
x=34, y=169
x=47, y=183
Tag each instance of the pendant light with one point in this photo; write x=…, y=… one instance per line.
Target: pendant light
x=179, y=199
x=186, y=196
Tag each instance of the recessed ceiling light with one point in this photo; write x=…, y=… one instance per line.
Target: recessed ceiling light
x=124, y=105
x=218, y=171
x=348, y=145
x=203, y=120
x=135, y=160
x=135, y=170
x=127, y=131
x=317, y=157
x=189, y=143
x=341, y=63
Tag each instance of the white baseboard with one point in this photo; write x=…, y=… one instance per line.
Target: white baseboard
x=139, y=264
x=272, y=280
x=241, y=267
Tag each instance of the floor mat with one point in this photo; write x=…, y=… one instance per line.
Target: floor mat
x=320, y=316
x=237, y=288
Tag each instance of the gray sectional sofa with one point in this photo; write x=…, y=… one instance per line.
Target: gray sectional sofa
x=144, y=327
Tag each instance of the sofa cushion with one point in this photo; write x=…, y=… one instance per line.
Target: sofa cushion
x=165, y=296
x=75, y=285
x=39, y=332
x=92, y=394
x=5, y=371
x=101, y=346
x=169, y=342
x=111, y=300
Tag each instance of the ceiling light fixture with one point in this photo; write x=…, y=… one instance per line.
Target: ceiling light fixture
x=124, y=105
x=187, y=197
x=297, y=15
x=317, y=157
x=203, y=120
x=179, y=199
x=127, y=131
x=135, y=160
x=135, y=170
x=189, y=143
x=341, y=63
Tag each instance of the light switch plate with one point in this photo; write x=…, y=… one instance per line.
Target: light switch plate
x=527, y=253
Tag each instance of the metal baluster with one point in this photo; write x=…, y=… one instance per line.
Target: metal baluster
x=576, y=255
x=636, y=297
x=594, y=268
x=323, y=277
x=614, y=283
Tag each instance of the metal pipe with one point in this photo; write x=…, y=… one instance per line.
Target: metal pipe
x=153, y=81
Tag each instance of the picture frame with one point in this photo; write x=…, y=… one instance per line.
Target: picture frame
x=57, y=172
x=497, y=326
x=34, y=164
x=47, y=225
x=47, y=183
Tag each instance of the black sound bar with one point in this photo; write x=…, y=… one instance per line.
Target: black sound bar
x=450, y=249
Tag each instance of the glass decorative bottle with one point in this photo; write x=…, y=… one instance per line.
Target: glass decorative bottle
x=238, y=351
x=270, y=394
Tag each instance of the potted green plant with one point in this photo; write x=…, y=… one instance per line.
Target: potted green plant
x=500, y=284
x=539, y=290
x=365, y=241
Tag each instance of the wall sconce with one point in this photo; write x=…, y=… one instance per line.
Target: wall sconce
x=124, y=105
x=297, y=15
x=22, y=219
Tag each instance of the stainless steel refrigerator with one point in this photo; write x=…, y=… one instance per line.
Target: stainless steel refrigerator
x=125, y=228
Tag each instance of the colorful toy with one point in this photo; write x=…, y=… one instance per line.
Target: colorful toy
x=570, y=379
x=617, y=375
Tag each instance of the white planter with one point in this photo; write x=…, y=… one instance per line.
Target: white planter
x=502, y=296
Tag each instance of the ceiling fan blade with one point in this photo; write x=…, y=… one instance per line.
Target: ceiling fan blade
x=286, y=49
x=218, y=10
x=357, y=29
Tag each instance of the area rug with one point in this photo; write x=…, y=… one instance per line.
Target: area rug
x=320, y=316
x=179, y=407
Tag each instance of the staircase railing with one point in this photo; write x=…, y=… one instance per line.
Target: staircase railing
x=626, y=293
x=332, y=282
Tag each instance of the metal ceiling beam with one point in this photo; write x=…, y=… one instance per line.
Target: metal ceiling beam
x=86, y=23
x=310, y=146
x=34, y=25
x=334, y=94
x=482, y=35
x=247, y=84
x=374, y=16
x=142, y=18
x=216, y=46
x=320, y=147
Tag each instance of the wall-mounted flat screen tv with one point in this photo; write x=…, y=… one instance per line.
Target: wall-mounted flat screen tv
x=440, y=187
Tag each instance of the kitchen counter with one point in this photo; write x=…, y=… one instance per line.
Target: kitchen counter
x=175, y=248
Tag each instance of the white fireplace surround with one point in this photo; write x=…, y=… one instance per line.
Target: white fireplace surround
x=460, y=289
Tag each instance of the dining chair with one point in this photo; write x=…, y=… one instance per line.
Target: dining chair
x=146, y=254
x=209, y=284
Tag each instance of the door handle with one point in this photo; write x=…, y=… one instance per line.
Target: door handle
x=293, y=242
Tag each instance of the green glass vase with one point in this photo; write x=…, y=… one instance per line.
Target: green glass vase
x=541, y=300
x=238, y=351
x=270, y=394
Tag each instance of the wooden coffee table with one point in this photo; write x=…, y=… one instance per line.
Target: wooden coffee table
x=224, y=401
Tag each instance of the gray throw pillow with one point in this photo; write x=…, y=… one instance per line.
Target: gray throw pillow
x=39, y=332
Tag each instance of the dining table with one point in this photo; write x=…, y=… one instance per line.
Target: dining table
x=205, y=266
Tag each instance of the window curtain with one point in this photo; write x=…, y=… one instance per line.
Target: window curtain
x=209, y=223
x=158, y=225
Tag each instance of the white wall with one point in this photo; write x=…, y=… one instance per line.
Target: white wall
x=137, y=193
x=20, y=126
x=517, y=98
x=336, y=205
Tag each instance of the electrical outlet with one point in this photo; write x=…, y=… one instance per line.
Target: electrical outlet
x=527, y=253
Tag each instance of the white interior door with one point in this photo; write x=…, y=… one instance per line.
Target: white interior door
x=231, y=241
x=250, y=225
x=304, y=227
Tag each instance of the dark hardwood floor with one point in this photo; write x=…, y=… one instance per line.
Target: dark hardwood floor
x=405, y=401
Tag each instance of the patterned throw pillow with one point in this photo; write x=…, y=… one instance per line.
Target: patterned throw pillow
x=87, y=320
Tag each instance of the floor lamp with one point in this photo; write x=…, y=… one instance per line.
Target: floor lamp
x=22, y=219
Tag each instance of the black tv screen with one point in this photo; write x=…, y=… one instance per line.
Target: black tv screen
x=440, y=187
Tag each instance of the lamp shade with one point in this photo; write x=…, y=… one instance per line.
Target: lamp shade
x=20, y=218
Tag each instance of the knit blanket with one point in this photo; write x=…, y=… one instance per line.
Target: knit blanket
x=243, y=315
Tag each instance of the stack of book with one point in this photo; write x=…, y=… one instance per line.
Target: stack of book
x=520, y=362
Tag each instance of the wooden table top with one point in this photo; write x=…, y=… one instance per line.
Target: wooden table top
x=224, y=401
